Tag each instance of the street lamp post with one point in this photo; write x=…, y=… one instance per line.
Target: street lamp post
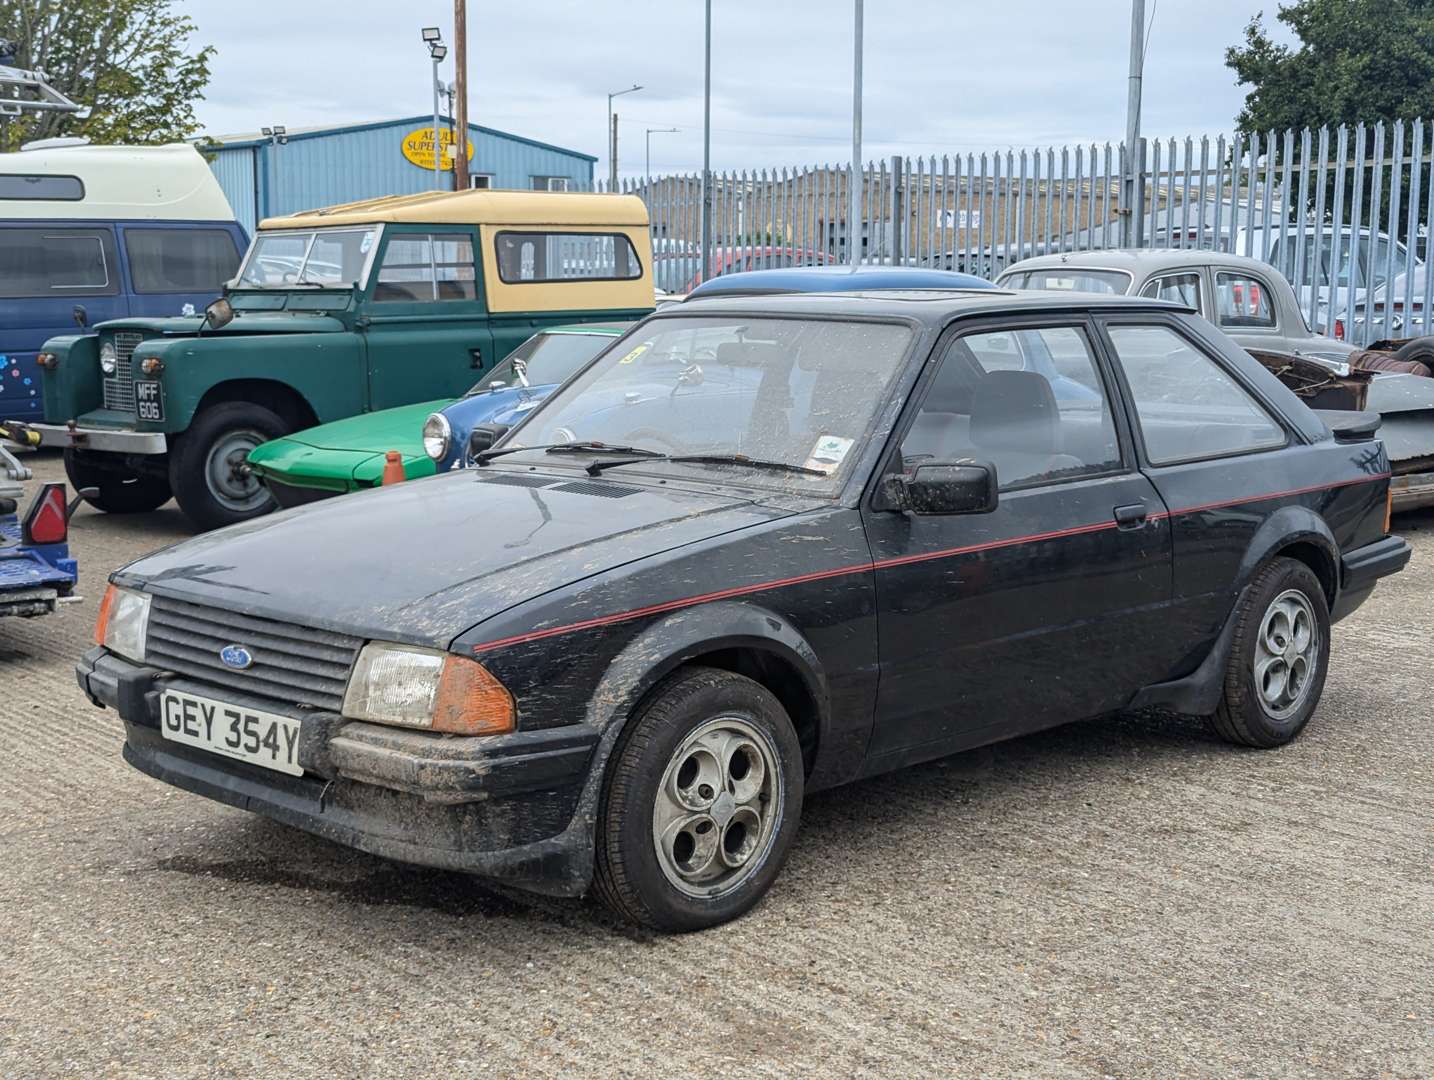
x=707, y=143
x=278, y=135
x=853, y=223
x=612, y=136
x=433, y=38
x=1132, y=216
x=647, y=161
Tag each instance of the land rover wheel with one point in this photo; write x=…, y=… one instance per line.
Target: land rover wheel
x=1278, y=657
x=208, y=466
x=701, y=803
x=117, y=489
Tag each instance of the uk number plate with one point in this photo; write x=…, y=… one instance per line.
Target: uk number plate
x=148, y=401
x=259, y=738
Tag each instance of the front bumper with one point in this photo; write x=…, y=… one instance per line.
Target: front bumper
x=1361, y=568
x=110, y=440
x=500, y=806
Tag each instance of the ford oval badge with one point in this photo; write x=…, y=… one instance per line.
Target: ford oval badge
x=236, y=656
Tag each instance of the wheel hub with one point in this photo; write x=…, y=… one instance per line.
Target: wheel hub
x=1287, y=650
x=717, y=807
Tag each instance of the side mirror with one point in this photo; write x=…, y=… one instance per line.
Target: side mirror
x=943, y=488
x=82, y=317
x=483, y=437
x=219, y=313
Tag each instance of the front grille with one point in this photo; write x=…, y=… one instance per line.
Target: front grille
x=295, y=665
x=119, y=387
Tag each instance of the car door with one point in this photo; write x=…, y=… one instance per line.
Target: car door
x=1215, y=452
x=1050, y=607
x=425, y=322
x=176, y=269
x=49, y=275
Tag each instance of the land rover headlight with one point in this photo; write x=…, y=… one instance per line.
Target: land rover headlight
x=437, y=436
x=109, y=357
x=123, y=622
x=429, y=689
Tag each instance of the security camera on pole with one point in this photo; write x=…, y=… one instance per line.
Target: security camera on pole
x=433, y=38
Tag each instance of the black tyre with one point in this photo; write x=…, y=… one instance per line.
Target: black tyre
x=701, y=802
x=1278, y=658
x=1418, y=351
x=207, y=465
x=118, y=490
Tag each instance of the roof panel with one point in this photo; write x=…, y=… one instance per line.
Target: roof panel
x=476, y=208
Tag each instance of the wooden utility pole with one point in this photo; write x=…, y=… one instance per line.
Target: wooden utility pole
x=460, y=85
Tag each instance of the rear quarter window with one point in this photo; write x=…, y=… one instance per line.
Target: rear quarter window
x=1188, y=406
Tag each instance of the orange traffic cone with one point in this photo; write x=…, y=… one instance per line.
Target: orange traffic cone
x=392, y=468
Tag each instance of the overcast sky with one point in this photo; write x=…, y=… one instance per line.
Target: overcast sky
x=942, y=76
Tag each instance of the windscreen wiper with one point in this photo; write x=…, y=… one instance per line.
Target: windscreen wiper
x=597, y=467
x=589, y=447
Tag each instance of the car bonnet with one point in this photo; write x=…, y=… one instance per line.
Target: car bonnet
x=421, y=562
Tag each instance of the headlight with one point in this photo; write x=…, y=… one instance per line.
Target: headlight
x=109, y=358
x=436, y=436
x=123, y=622
x=425, y=688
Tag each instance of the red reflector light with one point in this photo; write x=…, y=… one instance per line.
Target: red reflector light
x=46, y=523
x=1339, y=329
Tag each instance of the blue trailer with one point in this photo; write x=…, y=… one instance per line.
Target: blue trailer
x=36, y=570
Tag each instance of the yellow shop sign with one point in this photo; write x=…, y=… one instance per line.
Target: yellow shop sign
x=418, y=147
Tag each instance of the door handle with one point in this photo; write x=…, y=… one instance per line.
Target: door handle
x=1131, y=517
x=475, y=358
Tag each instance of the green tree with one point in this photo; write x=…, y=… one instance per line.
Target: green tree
x=129, y=61
x=1357, y=60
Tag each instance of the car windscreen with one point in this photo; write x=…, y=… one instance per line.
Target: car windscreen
x=1068, y=279
x=331, y=257
x=796, y=392
x=542, y=360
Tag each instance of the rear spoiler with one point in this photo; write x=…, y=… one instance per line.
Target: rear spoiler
x=1350, y=427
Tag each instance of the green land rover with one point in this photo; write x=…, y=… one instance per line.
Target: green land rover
x=334, y=313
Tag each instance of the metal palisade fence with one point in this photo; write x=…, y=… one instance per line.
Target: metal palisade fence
x=1342, y=212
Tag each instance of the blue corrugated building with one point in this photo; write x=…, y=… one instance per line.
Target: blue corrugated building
x=311, y=167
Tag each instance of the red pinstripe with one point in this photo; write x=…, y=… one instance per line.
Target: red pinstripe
x=883, y=564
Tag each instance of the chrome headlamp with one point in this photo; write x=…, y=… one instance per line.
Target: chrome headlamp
x=437, y=436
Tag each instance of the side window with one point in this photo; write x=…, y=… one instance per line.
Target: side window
x=1243, y=301
x=525, y=257
x=1179, y=288
x=426, y=268
x=57, y=262
x=1189, y=406
x=180, y=260
x=1000, y=397
x=453, y=267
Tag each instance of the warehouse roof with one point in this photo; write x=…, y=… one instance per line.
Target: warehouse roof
x=476, y=207
x=256, y=138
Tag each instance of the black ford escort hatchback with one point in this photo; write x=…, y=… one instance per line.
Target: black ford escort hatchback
x=757, y=548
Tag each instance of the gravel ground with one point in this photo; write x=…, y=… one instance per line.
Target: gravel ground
x=1125, y=898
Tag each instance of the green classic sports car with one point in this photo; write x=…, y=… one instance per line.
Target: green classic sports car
x=348, y=455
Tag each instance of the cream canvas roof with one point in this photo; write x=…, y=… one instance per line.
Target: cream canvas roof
x=476, y=208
